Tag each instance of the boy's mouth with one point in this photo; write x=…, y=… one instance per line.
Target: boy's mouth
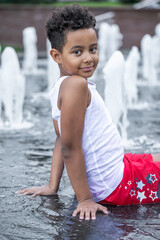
x=87, y=69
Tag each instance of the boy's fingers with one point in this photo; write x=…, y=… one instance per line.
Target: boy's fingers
x=82, y=214
x=75, y=213
x=93, y=215
x=103, y=209
x=87, y=215
x=20, y=191
x=23, y=192
x=35, y=194
x=27, y=190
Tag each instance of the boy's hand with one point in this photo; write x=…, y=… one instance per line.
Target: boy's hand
x=87, y=210
x=35, y=191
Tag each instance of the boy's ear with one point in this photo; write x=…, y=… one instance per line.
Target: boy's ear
x=56, y=55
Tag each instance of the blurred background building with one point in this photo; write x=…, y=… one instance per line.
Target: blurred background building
x=135, y=19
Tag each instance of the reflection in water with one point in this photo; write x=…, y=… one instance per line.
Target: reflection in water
x=141, y=220
x=59, y=215
x=25, y=160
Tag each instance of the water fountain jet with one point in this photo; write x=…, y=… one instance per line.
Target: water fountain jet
x=30, y=50
x=150, y=58
x=53, y=72
x=109, y=41
x=131, y=77
x=114, y=91
x=12, y=85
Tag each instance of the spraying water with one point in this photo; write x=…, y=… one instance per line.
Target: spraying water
x=103, y=41
x=109, y=40
x=150, y=58
x=131, y=77
x=157, y=34
x=114, y=91
x=145, y=51
x=12, y=87
x=30, y=50
x=53, y=72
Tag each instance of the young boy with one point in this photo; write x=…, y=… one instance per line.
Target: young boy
x=87, y=142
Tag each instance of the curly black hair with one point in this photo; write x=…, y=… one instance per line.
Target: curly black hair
x=67, y=19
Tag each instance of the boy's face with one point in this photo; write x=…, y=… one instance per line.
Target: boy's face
x=80, y=53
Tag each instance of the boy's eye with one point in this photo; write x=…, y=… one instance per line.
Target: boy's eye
x=93, y=50
x=77, y=52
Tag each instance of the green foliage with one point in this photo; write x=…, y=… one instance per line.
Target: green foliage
x=89, y=3
x=27, y=1
x=129, y=1
x=16, y=48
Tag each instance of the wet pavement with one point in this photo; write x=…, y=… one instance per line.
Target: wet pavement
x=25, y=160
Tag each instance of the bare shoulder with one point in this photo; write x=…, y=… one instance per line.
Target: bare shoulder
x=73, y=91
x=71, y=83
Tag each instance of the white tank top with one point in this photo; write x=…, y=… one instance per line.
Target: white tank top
x=101, y=144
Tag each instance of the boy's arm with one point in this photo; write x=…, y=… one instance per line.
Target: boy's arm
x=57, y=162
x=73, y=99
x=55, y=175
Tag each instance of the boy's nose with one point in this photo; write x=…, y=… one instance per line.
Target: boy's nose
x=87, y=58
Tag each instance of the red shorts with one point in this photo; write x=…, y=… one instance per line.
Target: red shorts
x=140, y=183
